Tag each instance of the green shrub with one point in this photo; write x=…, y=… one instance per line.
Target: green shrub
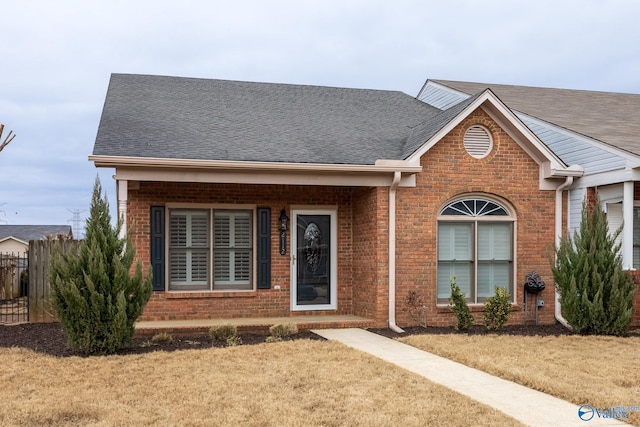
x=282, y=330
x=460, y=308
x=94, y=295
x=596, y=295
x=223, y=332
x=497, y=309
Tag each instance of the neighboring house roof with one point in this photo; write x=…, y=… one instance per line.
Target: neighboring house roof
x=572, y=147
x=25, y=233
x=608, y=117
x=204, y=119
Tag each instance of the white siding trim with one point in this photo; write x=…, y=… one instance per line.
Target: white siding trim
x=614, y=219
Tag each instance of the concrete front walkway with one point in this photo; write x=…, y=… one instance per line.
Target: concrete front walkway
x=526, y=405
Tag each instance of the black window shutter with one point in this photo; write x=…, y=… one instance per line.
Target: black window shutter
x=157, y=247
x=264, y=248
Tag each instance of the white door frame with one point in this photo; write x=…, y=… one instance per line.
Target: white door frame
x=333, y=258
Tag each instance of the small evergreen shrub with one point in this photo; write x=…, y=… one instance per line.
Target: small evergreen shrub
x=223, y=332
x=416, y=308
x=282, y=330
x=596, y=295
x=93, y=293
x=497, y=309
x=460, y=308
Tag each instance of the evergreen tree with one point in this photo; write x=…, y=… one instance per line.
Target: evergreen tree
x=96, y=298
x=595, y=293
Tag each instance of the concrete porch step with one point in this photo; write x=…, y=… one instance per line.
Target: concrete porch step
x=257, y=325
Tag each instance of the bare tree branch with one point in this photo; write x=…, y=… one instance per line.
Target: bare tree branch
x=8, y=139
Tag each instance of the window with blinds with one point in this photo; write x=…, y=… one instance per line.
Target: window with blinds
x=232, y=248
x=210, y=249
x=455, y=257
x=189, y=248
x=475, y=248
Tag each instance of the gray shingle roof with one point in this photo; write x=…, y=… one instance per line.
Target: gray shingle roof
x=608, y=117
x=204, y=119
x=33, y=232
x=424, y=131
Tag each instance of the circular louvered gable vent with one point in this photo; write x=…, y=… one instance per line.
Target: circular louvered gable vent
x=477, y=141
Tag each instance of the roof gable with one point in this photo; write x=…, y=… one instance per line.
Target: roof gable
x=604, y=116
x=11, y=238
x=430, y=134
x=573, y=148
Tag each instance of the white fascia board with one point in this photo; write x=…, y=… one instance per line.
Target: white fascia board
x=261, y=177
x=550, y=170
x=178, y=170
x=607, y=178
x=380, y=165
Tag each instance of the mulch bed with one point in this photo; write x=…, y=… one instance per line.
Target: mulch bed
x=521, y=330
x=49, y=338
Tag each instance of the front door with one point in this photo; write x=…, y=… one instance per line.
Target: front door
x=313, y=260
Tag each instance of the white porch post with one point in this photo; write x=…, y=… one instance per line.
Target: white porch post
x=627, y=230
x=122, y=187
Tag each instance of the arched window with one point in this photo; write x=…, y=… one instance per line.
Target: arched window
x=476, y=247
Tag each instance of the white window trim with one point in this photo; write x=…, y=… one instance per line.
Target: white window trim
x=474, y=219
x=211, y=208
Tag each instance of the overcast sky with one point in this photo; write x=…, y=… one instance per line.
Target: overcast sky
x=56, y=58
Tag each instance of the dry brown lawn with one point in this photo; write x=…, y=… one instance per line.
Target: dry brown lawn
x=296, y=383
x=603, y=372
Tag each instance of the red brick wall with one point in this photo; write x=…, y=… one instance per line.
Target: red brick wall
x=261, y=302
x=635, y=323
x=370, y=253
x=448, y=171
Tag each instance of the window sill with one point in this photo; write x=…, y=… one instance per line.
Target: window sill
x=209, y=294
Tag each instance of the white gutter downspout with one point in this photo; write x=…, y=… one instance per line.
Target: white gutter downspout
x=392, y=252
x=122, y=196
x=559, y=190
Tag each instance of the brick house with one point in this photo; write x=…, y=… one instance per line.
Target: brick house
x=274, y=200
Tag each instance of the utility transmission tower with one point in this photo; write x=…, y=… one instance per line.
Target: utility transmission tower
x=75, y=223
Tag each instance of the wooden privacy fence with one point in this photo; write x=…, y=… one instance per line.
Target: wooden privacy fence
x=40, y=254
